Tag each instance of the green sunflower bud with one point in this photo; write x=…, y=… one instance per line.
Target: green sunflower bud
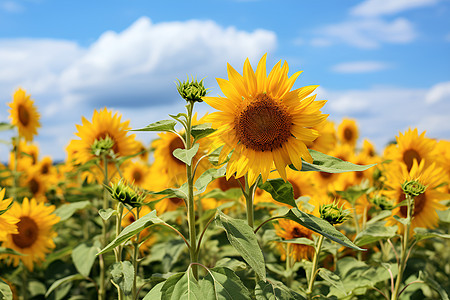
x=103, y=146
x=127, y=194
x=191, y=91
x=382, y=202
x=334, y=214
x=413, y=188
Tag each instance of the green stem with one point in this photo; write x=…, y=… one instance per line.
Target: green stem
x=358, y=229
x=190, y=201
x=404, y=254
x=249, y=194
x=25, y=283
x=289, y=266
x=118, y=249
x=135, y=258
x=102, y=291
x=16, y=142
x=315, y=263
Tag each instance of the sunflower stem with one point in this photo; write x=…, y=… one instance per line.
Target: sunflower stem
x=404, y=253
x=102, y=290
x=315, y=263
x=135, y=258
x=190, y=201
x=118, y=249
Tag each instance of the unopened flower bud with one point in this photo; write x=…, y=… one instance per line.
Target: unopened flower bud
x=382, y=202
x=127, y=194
x=191, y=91
x=103, y=146
x=333, y=213
x=413, y=188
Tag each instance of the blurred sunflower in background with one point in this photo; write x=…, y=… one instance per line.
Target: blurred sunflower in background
x=24, y=115
x=35, y=233
x=7, y=221
x=262, y=122
x=348, y=132
x=288, y=230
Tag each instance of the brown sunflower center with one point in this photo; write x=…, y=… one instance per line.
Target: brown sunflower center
x=176, y=143
x=348, y=134
x=34, y=186
x=137, y=176
x=225, y=184
x=263, y=125
x=24, y=115
x=45, y=169
x=176, y=200
x=409, y=156
x=298, y=233
x=419, y=203
x=28, y=232
x=325, y=175
x=296, y=188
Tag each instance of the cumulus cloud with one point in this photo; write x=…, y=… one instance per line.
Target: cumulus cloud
x=360, y=67
x=367, y=33
x=372, y=8
x=438, y=93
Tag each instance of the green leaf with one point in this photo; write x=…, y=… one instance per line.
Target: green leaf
x=280, y=190
x=423, y=234
x=107, y=213
x=332, y=279
x=84, y=255
x=404, y=221
x=207, y=177
x=122, y=274
x=320, y=226
x=5, y=126
x=330, y=164
x=375, y=232
x=231, y=263
x=299, y=241
x=132, y=229
x=65, y=211
x=201, y=130
x=433, y=284
x=380, y=216
x=155, y=292
x=5, y=291
x=274, y=290
x=10, y=251
x=186, y=155
x=444, y=215
x=352, y=193
x=164, y=125
x=243, y=239
x=180, y=192
x=181, y=286
x=226, y=285
x=61, y=281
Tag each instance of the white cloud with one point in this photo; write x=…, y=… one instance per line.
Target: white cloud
x=368, y=33
x=372, y=8
x=360, y=67
x=438, y=93
x=11, y=7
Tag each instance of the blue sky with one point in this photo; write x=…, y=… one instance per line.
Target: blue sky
x=384, y=62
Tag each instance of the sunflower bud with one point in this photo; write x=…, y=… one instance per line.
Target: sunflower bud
x=334, y=214
x=413, y=188
x=382, y=202
x=103, y=146
x=191, y=91
x=127, y=194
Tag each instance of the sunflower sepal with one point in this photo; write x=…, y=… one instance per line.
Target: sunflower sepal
x=162, y=126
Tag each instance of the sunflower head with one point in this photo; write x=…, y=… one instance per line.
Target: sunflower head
x=262, y=122
x=348, y=132
x=413, y=188
x=191, y=90
x=24, y=115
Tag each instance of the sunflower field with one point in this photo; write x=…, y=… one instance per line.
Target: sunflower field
x=263, y=198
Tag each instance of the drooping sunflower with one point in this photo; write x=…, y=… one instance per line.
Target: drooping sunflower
x=7, y=221
x=35, y=232
x=412, y=146
x=348, y=132
x=263, y=122
x=24, y=115
x=289, y=230
x=426, y=204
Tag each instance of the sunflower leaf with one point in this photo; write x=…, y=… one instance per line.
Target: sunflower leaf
x=62, y=281
x=329, y=164
x=207, y=177
x=201, y=130
x=280, y=190
x=10, y=251
x=164, y=125
x=181, y=286
x=5, y=290
x=243, y=239
x=84, y=255
x=107, y=213
x=5, y=126
x=186, y=155
x=320, y=226
x=375, y=232
x=274, y=290
x=65, y=211
x=222, y=283
x=122, y=274
x=423, y=234
x=132, y=229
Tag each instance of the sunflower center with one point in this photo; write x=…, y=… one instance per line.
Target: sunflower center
x=263, y=125
x=225, y=185
x=296, y=188
x=176, y=143
x=348, y=134
x=105, y=136
x=409, y=156
x=325, y=175
x=137, y=176
x=28, y=233
x=24, y=115
x=419, y=203
x=297, y=233
x=176, y=200
x=45, y=169
x=34, y=186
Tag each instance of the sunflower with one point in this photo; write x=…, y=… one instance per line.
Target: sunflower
x=24, y=115
x=168, y=164
x=326, y=141
x=412, y=146
x=288, y=230
x=262, y=122
x=136, y=173
x=37, y=185
x=223, y=185
x=368, y=148
x=426, y=204
x=35, y=232
x=7, y=221
x=130, y=217
x=348, y=132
